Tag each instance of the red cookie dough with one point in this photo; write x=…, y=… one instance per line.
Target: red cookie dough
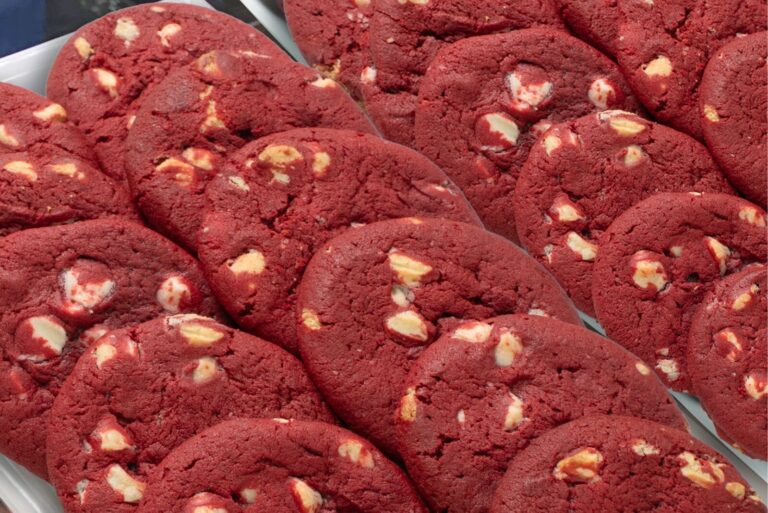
x=47, y=173
x=407, y=35
x=659, y=259
x=106, y=433
x=727, y=358
x=482, y=393
x=615, y=464
x=485, y=100
x=60, y=288
x=374, y=298
x=333, y=36
x=663, y=48
x=584, y=173
x=104, y=71
x=733, y=103
x=200, y=113
x=595, y=21
x=278, y=466
x=286, y=194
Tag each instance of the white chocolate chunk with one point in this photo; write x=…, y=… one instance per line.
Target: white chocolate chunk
x=106, y=80
x=212, y=120
x=402, y=295
x=239, y=182
x=408, y=324
x=633, y=155
x=167, y=32
x=676, y=251
x=648, y=271
x=49, y=332
x=752, y=215
x=731, y=340
x=503, y=126
x=81, y=488
x=68, y=169
x=205, y=370
x=355, y=452
x=566, y=211
x=755, y=385
x=510, y=346
x=582, y=466
x=368, y=75
x=310, y=319
x=104, y=353
x=408, y=406
x=200, y=335
x=745, y=298
x=84, y=295
x=514, y=416
x=711, y=113
x=642, y=368
x=320, y=162
x=670, y=368
x=643, y=448
x=475, y=332
x=249, y=495
x=172, y=292
x=323, y=83
x=112, y=437
x=279, y=157
x=51, y=112
x=461, y=417
x=127, y=30
x=625, y=126
x=661, y=66
x=250, y=262
x=307, y=498
x=110, y=346
x=199, y=157
x=585, y=249
x=600, y=92
x=408, y=270
x=6, y=138
x=720, y=253
x=83, y=48
x=527, y=97
x=738, y=490
x=702, y=472
x=21, y=168
x=130, y=489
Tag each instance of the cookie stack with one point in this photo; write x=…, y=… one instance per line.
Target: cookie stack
x=318, y=319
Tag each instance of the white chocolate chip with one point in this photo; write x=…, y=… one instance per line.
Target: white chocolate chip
x=320, y=162
x=661, y=66
x=177, y=320
x=130, y=489
x=83, y=48
x=537, y=311
x=670, y=368
x=49, y=336
x=408, y=406
x=642, y=368
x=600, y=92
x=585, y=249
x=212, y=120
x=402, y=295
x=565, y=211
x=745, y=298
x=527, y=97
x=702, y=472
x=676, y=251
x=551, y=142
x=408, y=324
x=68, y=169
x=81, y=488
x=106, y=80
x=307, y=498
x=239, y=182
x=711, y=114
x=173, y=292
x=167, y=32
x=249, y=495
x=648, y=271
x=250, y=262
x=582, y=467
x=104, y=353
x=184, y=173
x=625, y=126
x=157, y=8
x=126, y=30
x=323, y=83
x=730, y=338
x=112, y=437
x=408, y=270
x=208, y=64
x=633, y=155
x=6, y=138
x=356, y=453
x=310, y=319
x=199, y=157
x=200, y=335
x=474, y=332
x=719, y=252
x=51, y=112
x=738, y=490
x=503, y=127
x=643, y=448
x=548, y=249
x=510, y=346
x=21, y=168
x=205, y=370
x=368, y=75
x=755, y=385
x=84, y=295
x=753, y=216
x=461, y=417
x=514, y=416
x=110, y=346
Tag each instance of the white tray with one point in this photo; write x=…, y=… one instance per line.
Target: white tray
x=22, y=492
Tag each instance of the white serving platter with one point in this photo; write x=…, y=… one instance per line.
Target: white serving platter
x=23, y=492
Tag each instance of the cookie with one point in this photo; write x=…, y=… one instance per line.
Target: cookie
x=726, y=358
x=200, y=113
x=60, y=288
x=187, y=373
x=481, y=393
x=286, y=194
x=372, y=299
x=594, y=21
x=614, y=464
x=104, y=71
x=407, y=35
x=485, y=100
x=659, y=259
x=732, y=100
x=584, y=173
x=663, y=48
x=279, y=466
x=333, y=37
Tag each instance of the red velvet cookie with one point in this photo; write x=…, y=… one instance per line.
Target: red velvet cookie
x=104, y=71
x=284, y=195
x=663, y=48
x=614, y=464
x=406, y=36
x=595, y=21
x=60, y=288
x=479, y=395
x=47, y=173
x=333, y=36
x=107, y=433
x=584, y=173
x=374, y=298
x=213, y=107
x=278, y=466
x=727, y=358
x=485, y=100
x=659, y=259
x=733, y=100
